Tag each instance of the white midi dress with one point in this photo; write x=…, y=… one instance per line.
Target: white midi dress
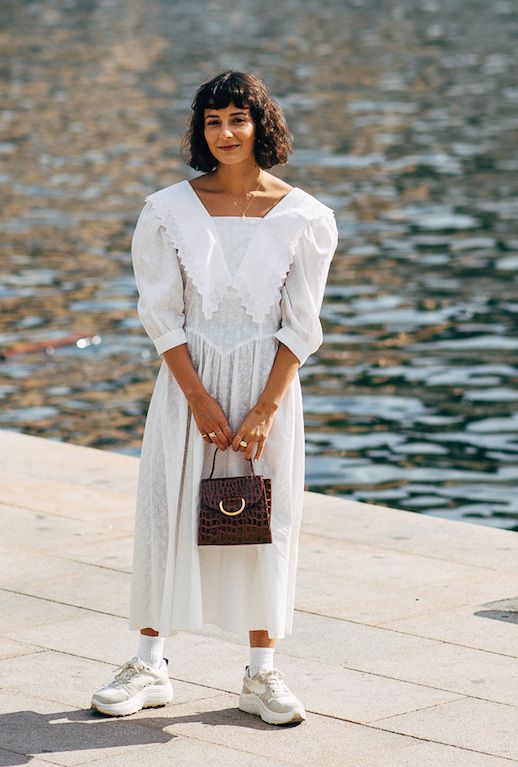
x=232, y=290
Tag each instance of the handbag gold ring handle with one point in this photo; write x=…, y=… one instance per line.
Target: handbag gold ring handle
x=232, y=513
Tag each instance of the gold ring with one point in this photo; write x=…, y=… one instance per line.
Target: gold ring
x=243, y=443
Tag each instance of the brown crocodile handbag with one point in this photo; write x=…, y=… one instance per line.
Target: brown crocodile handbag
x=234, y=510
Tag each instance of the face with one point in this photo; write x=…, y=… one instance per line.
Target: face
x=229, y=127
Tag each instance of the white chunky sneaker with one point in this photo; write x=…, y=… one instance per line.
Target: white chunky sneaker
x=267, y=696
x=136, y=685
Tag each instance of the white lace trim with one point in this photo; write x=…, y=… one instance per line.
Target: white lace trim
x=264, y=266
x=194, y=267
x=259, y=286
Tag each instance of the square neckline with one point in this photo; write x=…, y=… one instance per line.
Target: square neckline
x=239, y=218
x=261, y=218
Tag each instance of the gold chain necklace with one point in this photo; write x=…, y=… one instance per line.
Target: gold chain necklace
x=235, y=203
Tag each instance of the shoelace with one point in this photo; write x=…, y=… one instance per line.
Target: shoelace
x=127, y=671
x=274, y=680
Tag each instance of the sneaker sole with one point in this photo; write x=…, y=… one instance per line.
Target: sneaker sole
x=251, y=704
x=152, y=698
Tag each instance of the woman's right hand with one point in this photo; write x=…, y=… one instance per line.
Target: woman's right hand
x=209, y=416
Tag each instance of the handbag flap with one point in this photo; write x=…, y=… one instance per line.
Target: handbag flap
x=231, y=490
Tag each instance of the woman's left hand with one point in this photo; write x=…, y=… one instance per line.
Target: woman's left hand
x=254, y=429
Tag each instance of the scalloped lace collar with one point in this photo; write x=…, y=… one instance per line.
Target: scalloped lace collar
x=270, y=252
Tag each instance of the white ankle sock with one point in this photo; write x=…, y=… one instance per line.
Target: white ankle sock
x=261, y=658
x=151, y=650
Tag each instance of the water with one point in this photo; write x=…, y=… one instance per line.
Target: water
x=405, y=118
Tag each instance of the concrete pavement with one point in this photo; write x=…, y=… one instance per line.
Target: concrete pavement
x=404, y=651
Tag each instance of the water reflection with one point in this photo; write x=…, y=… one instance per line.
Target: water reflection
x=404, y=118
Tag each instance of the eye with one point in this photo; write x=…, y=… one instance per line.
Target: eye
x=236, y=119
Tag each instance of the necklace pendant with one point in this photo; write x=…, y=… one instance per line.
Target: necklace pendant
x=243, y=217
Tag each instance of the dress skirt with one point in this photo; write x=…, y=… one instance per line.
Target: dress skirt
x=176, y=584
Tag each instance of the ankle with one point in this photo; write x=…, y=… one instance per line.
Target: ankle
x=149, y=632
x=261, y=658
x=151, y=650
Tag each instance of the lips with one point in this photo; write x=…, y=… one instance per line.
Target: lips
x=230, y=146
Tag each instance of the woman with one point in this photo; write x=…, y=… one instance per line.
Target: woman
x=230, y=271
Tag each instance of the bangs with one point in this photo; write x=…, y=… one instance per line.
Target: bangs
x=220, y=93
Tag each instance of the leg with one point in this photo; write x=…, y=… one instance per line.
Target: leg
x=149, y=632
x=262, y=649
x=260, y=638
x=151, y=647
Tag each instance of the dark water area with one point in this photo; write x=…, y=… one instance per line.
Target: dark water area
x=405, y=118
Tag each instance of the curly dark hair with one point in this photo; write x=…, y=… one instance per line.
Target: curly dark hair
x=273, y=139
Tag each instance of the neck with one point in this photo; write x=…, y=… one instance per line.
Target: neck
x=238, y=180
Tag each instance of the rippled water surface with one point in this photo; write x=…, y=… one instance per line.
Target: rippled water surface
x=405, y=117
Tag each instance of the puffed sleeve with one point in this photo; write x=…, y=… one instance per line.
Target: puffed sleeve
x=303, y=290
x=159, y=282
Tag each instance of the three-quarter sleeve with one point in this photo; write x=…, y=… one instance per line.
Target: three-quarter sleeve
x=160, y=304
x=303, y=290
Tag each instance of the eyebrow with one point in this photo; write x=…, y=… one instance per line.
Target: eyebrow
x=241, y=112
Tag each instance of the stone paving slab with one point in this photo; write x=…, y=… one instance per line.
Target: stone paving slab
x=479, y=725
x=67, y=735
x=318, y=741
x=404, y=647
x=178, y=751
x=335, y=576
x=217, y=666
x=10, y=648
x=38, y=530
x=62, y=580
x=40, y=494
x=185, y=751
x=486, y=628
x=411, y=658
x=70, y=680
x=405, y=531
x=8, y=758
x=428, y=754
